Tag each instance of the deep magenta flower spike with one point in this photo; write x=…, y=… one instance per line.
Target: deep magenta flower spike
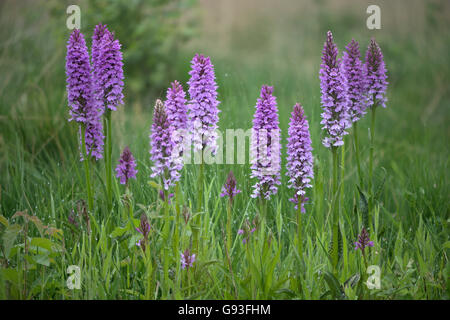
x=299, y=156
x=229, y=188
x=354, y=73
x=161, y=148
x=187, y=259
x=375, y=72
x=363, y=241
x=265, y=145
x=203, y=111
x=79, y=81
x=144, y=229
x=80, y=94
x=333, y=84
x=126, y=169
x=107, y=68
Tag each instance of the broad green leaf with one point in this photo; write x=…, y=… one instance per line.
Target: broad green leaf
x=43, y=259
x=42, y=243
x=9, y=236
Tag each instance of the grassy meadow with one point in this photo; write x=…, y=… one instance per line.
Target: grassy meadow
x=250, y=43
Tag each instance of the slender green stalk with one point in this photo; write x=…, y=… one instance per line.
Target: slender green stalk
x=356, y=148
x=87, y=168
x=166, y=232
x=299, y=230
x=335, y=218
x=263, y=208
x=342, y=175
x=108, y=162
x=196, y=220
x=148, y=289
x=177, y=219
x=372, y=136
x=229, y=241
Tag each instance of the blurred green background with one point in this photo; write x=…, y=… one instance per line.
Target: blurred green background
x=251, y=42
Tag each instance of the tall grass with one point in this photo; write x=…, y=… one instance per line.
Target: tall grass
x=40, y=172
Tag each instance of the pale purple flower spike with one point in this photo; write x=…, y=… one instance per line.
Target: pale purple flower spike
x=299, y=156
x=265, y=145
x=203, y=111
x=161, y=148
x=354, y=73
x=375, y=72
x=80, y=94
x=333, y=84
x=126, y=169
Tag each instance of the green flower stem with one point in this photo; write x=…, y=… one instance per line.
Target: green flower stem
x=335, y=206
x=108, y=162
x=166, y=232
x=196, y=220
x=87, y=168
x=372, y=136
x=299, y=230
x=229, y=241
x=356, y=147
x=177, y=219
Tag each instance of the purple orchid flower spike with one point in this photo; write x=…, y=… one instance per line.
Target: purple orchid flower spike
x=299, y=156
x=363, y=241
x=333, y=84
x=375, y=72
x=163, y=197
x=229, y=188
x=80, y=95
x=248, y=229
x=126, y=169
x=187, y=260
x=144, y=229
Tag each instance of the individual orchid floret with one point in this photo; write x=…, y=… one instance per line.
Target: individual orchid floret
x=161, y=148
x=354, y=73
x=203, y=111
x=299, y=156
x=126, y=169
x=375, y=73
x=265, y=145
x=333, y=84
x=187, y=260
x=229, y=188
